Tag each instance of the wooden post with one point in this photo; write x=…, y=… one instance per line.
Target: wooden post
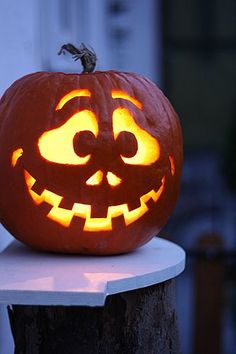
x=108, y=305
x=139, y=321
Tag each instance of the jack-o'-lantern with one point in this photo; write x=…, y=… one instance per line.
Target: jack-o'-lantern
x=89, y=163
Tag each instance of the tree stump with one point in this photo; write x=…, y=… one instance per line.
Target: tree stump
x=141, y=321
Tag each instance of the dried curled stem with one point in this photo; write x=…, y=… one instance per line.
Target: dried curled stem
x=88, y=57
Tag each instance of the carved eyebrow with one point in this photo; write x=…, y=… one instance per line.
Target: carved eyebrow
x=125, y=96
x=72, y=94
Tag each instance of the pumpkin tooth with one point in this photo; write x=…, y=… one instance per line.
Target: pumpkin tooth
x=37, y=187
x=44, y=208
x=149, y=203
x=134, y=204
x=118, y=222
x=66, y=203
x=77, y=222
x=99, y=212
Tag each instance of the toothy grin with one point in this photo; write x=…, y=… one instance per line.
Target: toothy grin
x=64, y=216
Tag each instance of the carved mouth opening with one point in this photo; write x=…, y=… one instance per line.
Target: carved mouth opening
x=64, y=216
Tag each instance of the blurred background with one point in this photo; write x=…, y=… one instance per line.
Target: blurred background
x=188, y=47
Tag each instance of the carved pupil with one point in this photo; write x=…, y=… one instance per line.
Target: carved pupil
x=84, y=143
x=127, y=144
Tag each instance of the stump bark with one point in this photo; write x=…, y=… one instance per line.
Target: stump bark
x=141, y=321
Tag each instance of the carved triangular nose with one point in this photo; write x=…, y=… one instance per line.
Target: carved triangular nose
x=97, y=178
x=112, y=179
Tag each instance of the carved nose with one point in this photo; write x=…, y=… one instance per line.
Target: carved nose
x=97, y=178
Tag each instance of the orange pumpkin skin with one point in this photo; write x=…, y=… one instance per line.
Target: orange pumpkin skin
x=96, y=207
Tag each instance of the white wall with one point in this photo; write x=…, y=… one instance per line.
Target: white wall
x=19, y=40
x=136, y=49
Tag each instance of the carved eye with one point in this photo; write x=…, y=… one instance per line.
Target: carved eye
x=60, y=146
x=147, y=149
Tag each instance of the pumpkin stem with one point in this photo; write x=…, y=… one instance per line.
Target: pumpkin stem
x=87, y=57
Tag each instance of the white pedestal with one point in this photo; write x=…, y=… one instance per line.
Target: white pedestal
x=28, y=277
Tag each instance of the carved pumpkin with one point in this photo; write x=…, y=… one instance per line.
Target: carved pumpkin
x=89, y=163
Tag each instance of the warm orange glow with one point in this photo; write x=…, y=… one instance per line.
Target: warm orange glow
x=172, y=165
x=15, y=156
x=64, y=216
x=97, y=224
x=61, y=216
x=95, y=179
x=125, y=96
x=56, y=145
x=46, y=196
x=72, y=94
x=112, y=179
x=148, y=148
x=30, y=180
